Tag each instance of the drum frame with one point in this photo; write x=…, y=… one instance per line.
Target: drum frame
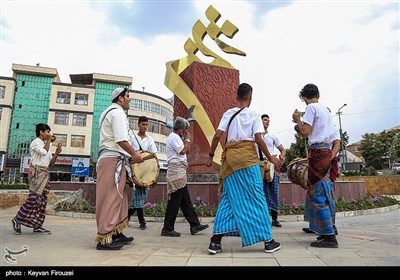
x=298, y=167
x=136, y=180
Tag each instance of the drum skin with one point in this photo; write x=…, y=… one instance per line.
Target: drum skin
x=145, y=174
x=267, y=170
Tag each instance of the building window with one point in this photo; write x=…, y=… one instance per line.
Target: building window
x=63, y=97
x=153, y=127
x=136, y=104
x=1, y=112
x=60, y=138
x=61, y=118
x=166, y=113
x=81, y=99
x=78, y=141
x=147, y=106
x=165, y=130
x=2, y=91
x=161, y=147
x=79, y=119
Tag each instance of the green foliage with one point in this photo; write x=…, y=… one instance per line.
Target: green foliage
x=375, y=147
x=368, y=171
x=203, y=210
x=296, y=150
x=345, y=138
x=14, y=186
x=342, y=204
x=82, y=206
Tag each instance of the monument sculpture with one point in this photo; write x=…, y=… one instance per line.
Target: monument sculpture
x=203, y=91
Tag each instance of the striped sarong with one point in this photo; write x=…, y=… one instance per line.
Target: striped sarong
x=33, y=212
x=242, y=210
x=271, y=190
x=320, y=208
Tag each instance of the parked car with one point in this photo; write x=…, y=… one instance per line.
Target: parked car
x=396, y=166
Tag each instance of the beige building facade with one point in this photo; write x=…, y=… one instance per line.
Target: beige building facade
x=35, y=94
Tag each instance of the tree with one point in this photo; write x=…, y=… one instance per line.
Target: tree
x=375, y=148
x=345, y=138
x=296, y=150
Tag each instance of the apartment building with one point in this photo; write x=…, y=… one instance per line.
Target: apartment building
x=36, y=94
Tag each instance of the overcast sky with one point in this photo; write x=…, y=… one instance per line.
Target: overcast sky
x=349, y=49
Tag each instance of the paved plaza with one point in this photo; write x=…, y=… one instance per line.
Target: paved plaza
x=369, y=239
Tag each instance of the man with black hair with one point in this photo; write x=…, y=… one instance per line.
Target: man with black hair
x=242, y=210
x=317, y=125
x=271, y=189
x=144, y=142
x=33, y=212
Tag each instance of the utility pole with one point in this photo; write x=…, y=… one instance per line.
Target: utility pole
x=342, y=149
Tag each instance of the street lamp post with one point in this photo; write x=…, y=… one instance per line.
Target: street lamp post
x=341, y=138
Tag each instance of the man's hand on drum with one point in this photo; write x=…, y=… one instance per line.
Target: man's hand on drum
x=137, y=157
x=275, y=161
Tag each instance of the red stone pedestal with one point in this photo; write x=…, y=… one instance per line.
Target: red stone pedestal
x=215, y=87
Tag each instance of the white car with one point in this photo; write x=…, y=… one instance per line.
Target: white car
x=396, y=166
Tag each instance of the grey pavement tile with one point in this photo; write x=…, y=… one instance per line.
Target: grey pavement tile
x=290, y=252
x=254, y=262
x=203, y=252
x=124, y=260
x=209, y=261
x=165, y=261
x=391, y=261
x=300, y=261
x=255, y=251
x=338, y=261
x=333, y=252
x=173, y=251
x=378, y=250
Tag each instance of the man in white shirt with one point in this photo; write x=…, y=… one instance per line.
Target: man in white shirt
x=271, y=189
x=317, y=125
x=142, y=142
x=242, y=210
x=178, y=145
x=113, y=169
x=33, y=212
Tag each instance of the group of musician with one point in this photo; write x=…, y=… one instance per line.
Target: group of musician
x=247, y=202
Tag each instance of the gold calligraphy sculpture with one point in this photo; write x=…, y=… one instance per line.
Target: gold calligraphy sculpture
x=176, y=84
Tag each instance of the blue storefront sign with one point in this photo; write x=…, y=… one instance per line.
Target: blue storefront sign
x=80, y=167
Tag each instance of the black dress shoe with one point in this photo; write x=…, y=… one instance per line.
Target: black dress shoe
x=276, y=224
x=170, y=233
x=307, y=230
x=122, y=239
x=109, y=246
x=196, y=229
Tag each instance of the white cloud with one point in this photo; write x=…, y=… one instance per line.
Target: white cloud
x=321, y=43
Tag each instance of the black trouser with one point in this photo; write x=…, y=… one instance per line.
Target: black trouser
x=140, y=214
x=274, y=215
x=180, y=199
